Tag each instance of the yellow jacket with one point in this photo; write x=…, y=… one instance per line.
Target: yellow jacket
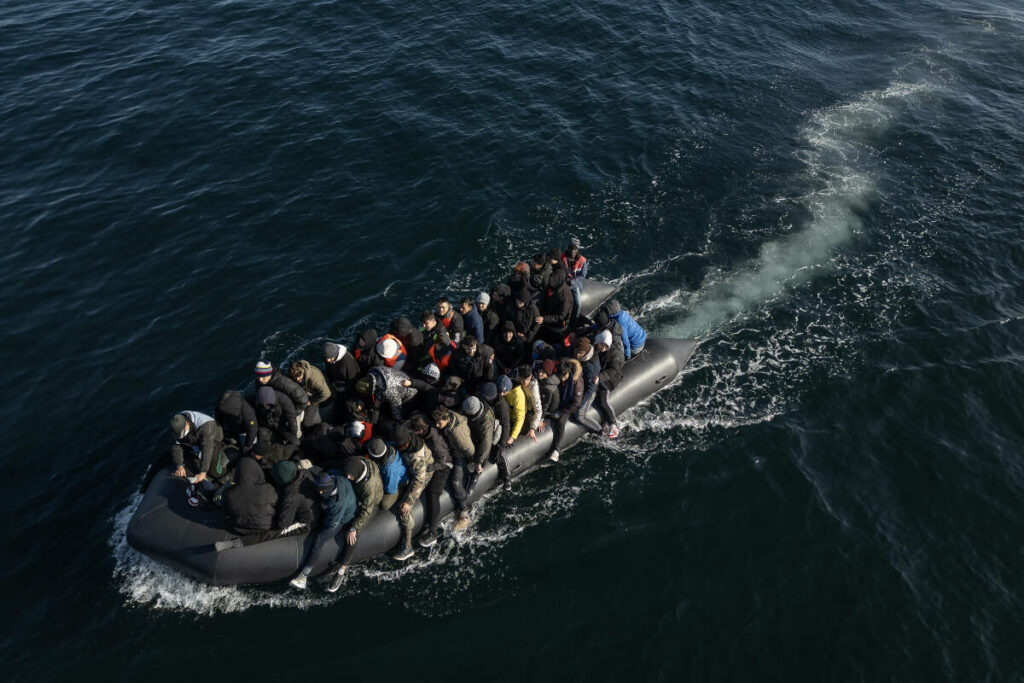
x=516, y=410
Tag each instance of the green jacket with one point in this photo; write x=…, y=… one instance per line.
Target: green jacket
x=314, y=383
x=369, y=492
x=419, y=467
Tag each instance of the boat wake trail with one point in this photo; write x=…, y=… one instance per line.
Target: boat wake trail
x=839, y=155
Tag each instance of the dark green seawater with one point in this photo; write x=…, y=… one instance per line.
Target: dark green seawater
x=827, y=194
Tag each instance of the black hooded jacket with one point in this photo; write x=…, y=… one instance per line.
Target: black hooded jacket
x=249, y=504
x=237, y=417
x=297, y=502
x=278, y=418
x=558, y=304
x=341, y=374
x=612, y=361
x=365, y=351
x=411, y=337
x=290, y=388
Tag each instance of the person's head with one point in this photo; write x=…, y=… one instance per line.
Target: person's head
x=582, y=348
x=387, y=348
x=355, y=468
x=504, y=384
x=420, y=425
x=402, y=436
x=524, y=376
x=603, y=341
x=429, y=320
x=364, y=385
x=501, y=292
x=355, y=430
x=443, y=306
x=538, y=261
x=554, y=256
x=573, y=250
x=333, y=352
x=284, y=472
x=546, y=369
x=489, y=392
x=521, y=268
x=266, y=397
x=473, y=407
x=486, y=353
x=483, y=300
x=377, y=449
x=442, y=416
x=564, y=370
x=466, y=305
x=264, y=370
x=297, y=372
x=180, y=426
x=521, y=298
x=431, y=373
x=260, y=450
x=357, y=408
x=508, y=331
x=468, y=345
x=325, y=485
x=442, y=341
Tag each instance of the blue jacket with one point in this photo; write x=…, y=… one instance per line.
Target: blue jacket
x=474, y=324
x=633, y=336
x=340, y=508
x=392, y=473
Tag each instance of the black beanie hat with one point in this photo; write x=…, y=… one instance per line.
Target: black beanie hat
x=401, y=435
x=377, y=448
x=354, y=467
x=262, y=448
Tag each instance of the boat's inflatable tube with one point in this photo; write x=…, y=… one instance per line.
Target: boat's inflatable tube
x=166, y=528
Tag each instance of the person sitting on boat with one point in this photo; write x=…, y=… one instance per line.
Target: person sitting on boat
x=386, y=385
x=610, y=356
x=501, y=300
x=490, y=318
x=269, y=376
x=201, y=437
x=480, y=419
x=633, y=336
x=556, y=312
x=540, y=272
x=276, y=413
x=449, y=319
x=392, y=351
x=341, y=371
x=547, y=387
x=533, y=422
x=499, y=406
x=526, y=318
x=465, y=363
x=570, y=394
x=237, y=420
x=455, y=430
x=296, y=496
x=472, y=323
x=364, y=350
x=418, y=462
x=488, y=369
x=602, y=321
x=339, y=505
x=439, y=470
x=427, y=387
x=313, y=382
x=585, y=354
x=411, y=338
x=514, y=395
x=576, y=266
x=440, y=353
x=358, y=410
x=518, y=282
x=249, y=506
x=392, y=470
x=509, y=348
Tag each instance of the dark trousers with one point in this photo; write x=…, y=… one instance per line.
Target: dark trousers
x=254, y=537
x=584, y=420
x=459, y=483
x=557, y=425
x=603, y=407
x=433, y=510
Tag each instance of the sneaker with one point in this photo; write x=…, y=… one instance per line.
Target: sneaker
x=299, y=582
x=404, y=553
x=339, y=577
x=554, y=455
x=427, y=540
x=614, y=433
x=228, y=545
x=461, y=522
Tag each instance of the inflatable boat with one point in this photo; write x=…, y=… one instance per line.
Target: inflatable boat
x=168, y=529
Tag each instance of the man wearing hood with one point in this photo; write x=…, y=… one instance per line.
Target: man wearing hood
x=411, y=338
x=365, y=350
x=276, y=413
x=339, y=504
x=297, y=496
x=509, y=349
x=489, y=315
x=250, y=505
x=340, y=370
x=269, y=376
x=526, y=318
x=237, y=419
x=557, y=311
x=201, y=437
x=633, y=336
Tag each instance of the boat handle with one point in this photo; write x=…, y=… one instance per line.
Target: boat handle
x=661, y=379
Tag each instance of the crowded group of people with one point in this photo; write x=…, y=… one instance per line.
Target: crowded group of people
x=412, y=412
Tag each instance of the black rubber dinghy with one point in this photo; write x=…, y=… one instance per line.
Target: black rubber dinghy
x=166, y=528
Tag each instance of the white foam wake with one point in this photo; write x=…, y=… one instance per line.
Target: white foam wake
x=838, y=157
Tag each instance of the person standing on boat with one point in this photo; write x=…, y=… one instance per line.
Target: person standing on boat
x=201, y=437
x=338, y=507
x=525, y=318
x=509, y=348
x=313, y=382
x=340, y=370
x=276, y=414
x=576, y=266
x=610, y=356
x=491, y=318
